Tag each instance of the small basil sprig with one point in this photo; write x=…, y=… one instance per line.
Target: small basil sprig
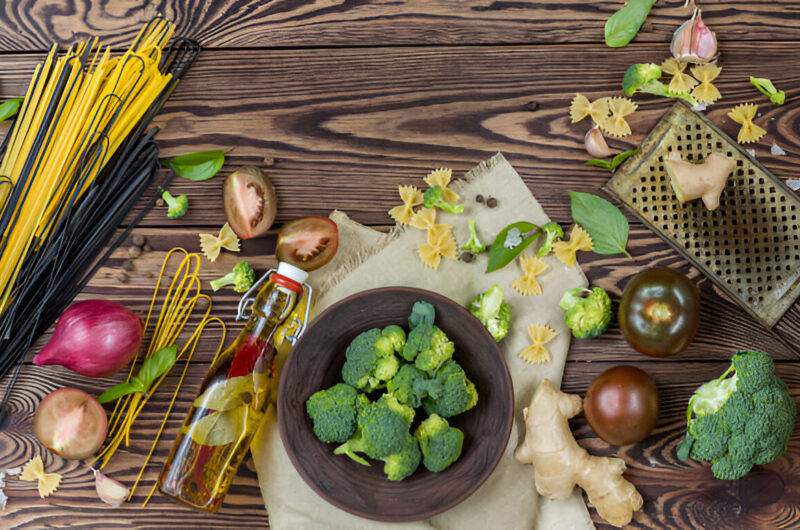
x=766, y=87
x=9, y=108
x=606, y=225
x=623, y=25
x=197, y=166
x=152, y=368
x=617, y=160
x=502, y=254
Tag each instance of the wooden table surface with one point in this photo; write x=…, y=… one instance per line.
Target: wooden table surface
x=341, y=101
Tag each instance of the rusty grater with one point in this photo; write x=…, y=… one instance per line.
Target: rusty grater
x=749, y=246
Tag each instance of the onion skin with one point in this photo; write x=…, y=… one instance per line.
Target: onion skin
x=94, y=338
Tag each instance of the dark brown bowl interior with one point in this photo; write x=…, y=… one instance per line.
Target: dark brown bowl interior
x=315, y=363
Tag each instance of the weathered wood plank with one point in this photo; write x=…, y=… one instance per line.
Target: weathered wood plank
x=673, y=491
x=35, y=24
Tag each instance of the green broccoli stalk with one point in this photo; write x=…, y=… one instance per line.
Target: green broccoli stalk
x=177, y=206
x=440, y=443
x=743, y=418
x=474, y=244
x=371, y=361
x=552, y=231
x=458, y=392
x=241, y=277
x=588, y=312
x=333, y=412
x=492, y=311
x=433, y=199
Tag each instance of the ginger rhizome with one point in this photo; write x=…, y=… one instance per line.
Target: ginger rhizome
x=560, y=463
x=699, y=181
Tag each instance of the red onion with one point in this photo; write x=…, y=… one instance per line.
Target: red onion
x=94, y=338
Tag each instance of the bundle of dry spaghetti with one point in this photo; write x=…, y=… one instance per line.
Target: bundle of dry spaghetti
x=76, y=161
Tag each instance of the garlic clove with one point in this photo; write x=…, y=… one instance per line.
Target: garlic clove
x=693, y=42
x=110, y=491
x=596, y=144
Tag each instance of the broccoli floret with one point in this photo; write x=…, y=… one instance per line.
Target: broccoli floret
x=439, y=349
x=474, y=244
x=410, y=385
x=552, y=231
x=588, y=312
x=433, y=199
x=382, y=428
x=421, y=313
x=440, y=443
x=741, y=419
x=177, y=206
x=333, y=412
x=492, y=311
x=458, y=392
x=639, y=75
x=400, y=465
x=241, y=277
x=396, y=335
x=370, y=361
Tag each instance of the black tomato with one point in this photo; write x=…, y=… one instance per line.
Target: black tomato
x=250, y=203
x=659, y=312
x=307, y=243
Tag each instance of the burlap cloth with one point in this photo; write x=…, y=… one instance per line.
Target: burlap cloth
x=367, y=259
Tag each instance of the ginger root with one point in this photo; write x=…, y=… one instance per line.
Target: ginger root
x=699, y=181
x=560, y=463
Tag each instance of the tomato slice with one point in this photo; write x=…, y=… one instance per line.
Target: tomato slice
x=250, y=203
x=307, y=243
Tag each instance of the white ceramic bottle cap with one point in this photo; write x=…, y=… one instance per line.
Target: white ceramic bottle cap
x=292, y=272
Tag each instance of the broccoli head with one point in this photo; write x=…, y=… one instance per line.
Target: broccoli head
x=437, y=348
x=383, y=426
x=241, y=277
x=458, y=392
x=743, y=418
x=552, y=231
x=433, y=199
x=474, y=244
x=396, y=335
x=440, y=443
x=410, y=385
x=588, y=312
x=398, y=466
x=492, y=311
x=177, y=206
x=370, y=361
x=421, y=313
x=333, y=412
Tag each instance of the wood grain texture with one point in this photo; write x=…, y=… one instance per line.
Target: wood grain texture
x=35, y=24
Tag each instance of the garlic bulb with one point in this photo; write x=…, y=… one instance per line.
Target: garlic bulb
x=693, y=42
x=596, y=144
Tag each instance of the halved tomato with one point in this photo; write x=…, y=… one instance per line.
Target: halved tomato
x=250, y=204
x=307, y=243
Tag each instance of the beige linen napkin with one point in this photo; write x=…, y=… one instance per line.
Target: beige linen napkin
x=367, y=259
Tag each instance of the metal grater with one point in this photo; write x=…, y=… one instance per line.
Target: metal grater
x=749, y=246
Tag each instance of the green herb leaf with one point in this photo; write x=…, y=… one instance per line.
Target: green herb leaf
x=616, y=161
x=219, y=428
x=116, y=392
x=657, y=88
x=605, y=164
x=138, y=385
x=9, y=108
x=225, y=394
x=197, y=166
x=623, y=25
x=158, y=363
x=500, y=256
x=602, y=220
x=766, y=87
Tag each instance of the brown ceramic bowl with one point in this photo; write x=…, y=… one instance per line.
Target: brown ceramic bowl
x=315, y=363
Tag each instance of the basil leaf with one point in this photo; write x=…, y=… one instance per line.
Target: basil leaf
x=116, y=392
x=599, y=163
x=219, y=428
x=623, y=25
x=138, y=385
x=607, y=226
x=766, y=87
x=622, y=157
x=9, y=108
x=224, y=395
x=197, y=166
x=500, y=256
x=155, y=365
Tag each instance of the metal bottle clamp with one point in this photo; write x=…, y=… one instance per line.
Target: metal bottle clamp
x=249, y=298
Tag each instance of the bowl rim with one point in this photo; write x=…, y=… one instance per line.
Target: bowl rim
x=444, y=506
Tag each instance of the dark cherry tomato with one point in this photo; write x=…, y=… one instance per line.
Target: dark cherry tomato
x=250, y=203
x=659, y=312
x=307, y=243
x=621, y=405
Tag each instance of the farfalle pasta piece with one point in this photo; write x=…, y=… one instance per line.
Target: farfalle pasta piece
x=536, y=353
x=441, y=243
x=531, y=268
x=579, y=239
x=615, y=124
x=743, y=115
x=441, y=177
x=705, y=92
x=424, y=218
x=211, y=244
x=411, y=197
x=581, y=107
x=34, y=471
x=681, y=82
